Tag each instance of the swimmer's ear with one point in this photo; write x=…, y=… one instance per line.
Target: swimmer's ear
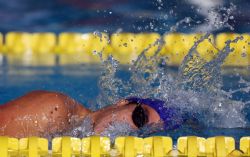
x=122, y=102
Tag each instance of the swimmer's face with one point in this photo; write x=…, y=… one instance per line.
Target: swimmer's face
x=135, y=115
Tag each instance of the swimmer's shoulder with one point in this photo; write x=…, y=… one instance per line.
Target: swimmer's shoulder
x=37, y=97
x=42, y=98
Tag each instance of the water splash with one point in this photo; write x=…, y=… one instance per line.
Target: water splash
x=110, y=89
x=198, y=74
x=216, y=16
x=84, y=129
x=116, y=129
x=196, y=89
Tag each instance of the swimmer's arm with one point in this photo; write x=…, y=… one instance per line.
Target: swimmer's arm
x=39, y=113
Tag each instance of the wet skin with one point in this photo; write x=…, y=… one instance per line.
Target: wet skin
x=42, y=113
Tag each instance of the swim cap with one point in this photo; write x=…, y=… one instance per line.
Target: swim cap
x=169, y=115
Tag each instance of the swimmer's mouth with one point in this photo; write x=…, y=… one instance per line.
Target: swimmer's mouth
x=139, y=116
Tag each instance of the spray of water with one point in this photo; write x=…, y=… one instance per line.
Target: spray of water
x=196, y=89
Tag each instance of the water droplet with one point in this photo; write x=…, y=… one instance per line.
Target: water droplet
x=165, y=17
x=171, y=11
x=188, y=19
x=244, y=54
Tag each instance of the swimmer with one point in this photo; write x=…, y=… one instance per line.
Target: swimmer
x=41, y=113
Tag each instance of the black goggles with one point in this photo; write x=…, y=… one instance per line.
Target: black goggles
x=139, y=115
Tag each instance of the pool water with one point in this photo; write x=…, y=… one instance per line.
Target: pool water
x=221, y=103
x=78, y=81
x=81, y=82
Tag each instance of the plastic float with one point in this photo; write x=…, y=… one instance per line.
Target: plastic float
x=71, y=48
x=96, y=146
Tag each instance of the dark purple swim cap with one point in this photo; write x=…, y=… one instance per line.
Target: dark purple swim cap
x=169, y=115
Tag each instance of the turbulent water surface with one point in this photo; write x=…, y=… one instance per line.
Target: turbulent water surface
x=219, y=103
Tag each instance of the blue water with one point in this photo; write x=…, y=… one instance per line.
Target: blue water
x=81, y=83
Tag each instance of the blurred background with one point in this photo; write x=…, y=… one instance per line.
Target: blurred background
x=125, y=15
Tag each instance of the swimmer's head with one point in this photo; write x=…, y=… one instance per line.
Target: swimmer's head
x=137, y=113
x=125, y=111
